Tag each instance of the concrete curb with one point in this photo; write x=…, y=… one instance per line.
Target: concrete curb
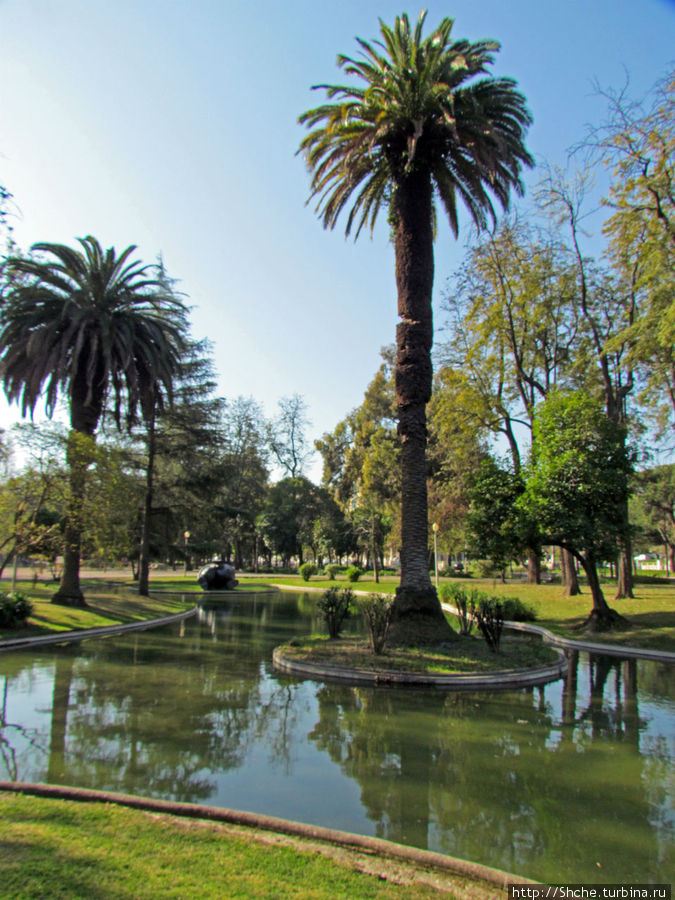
x=425, y=858
x=505, y=680
x=67, y=637
x=550, y=637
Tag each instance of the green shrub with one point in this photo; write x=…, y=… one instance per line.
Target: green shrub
x=335, y=606
x=486, y=568
x=376, y=609
x=15, y=608
x=516, y=611
x=307, y=570
x=464, y=601
x=353, y=573
x=331, y=571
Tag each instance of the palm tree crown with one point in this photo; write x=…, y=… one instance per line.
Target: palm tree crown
x=88, y=324
x=418, y=109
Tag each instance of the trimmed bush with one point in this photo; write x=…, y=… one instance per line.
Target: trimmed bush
x=331, y=571
x=353, y=573
x=307, y=570
x=15, y=608
x=335, y=606
x=376, y=609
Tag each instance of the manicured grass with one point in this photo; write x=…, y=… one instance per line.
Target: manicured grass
x=467, y=654
x=62, y=850
x=650, y=614
x=105, y=607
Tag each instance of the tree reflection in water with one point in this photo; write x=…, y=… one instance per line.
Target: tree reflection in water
x=552, y=782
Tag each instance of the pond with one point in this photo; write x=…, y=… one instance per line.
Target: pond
x=571, y=782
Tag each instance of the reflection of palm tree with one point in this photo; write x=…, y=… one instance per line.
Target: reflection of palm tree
x=88, y=324
x=423, y=121
x=63, y=675
x=374, y=735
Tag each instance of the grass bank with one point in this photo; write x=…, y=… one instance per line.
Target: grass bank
x=61, y=850
x=106, y=606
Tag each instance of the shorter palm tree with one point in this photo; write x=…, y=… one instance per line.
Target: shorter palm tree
x=94, y=328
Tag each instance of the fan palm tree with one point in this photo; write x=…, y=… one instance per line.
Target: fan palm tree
x=424, y=122
x=98, y=329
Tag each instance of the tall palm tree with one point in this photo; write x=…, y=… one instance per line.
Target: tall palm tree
x=95, y=328
x=417, y=128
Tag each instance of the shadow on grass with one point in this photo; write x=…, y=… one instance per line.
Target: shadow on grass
x=56, y=873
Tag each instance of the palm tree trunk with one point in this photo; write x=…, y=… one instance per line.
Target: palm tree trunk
x=417, y=613
x=78, y=457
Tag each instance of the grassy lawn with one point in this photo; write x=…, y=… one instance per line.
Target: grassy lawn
x=62, y=850
x=467, y=654
x=651, y=613
x=105, y=607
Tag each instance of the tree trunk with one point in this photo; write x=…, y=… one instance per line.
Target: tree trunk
x=624, y=587
x=144, y=555
x=569, y=574
x=373, y=551
x=78, y=457
x=533, y=568
x=602, y=617
x=417, y=615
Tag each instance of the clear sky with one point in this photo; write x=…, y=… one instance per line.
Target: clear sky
x=173, y=126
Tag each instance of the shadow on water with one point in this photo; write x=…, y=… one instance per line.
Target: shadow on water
x=568, y=782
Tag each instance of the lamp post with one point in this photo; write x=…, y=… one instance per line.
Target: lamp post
x=435, y=530
x=187, y=538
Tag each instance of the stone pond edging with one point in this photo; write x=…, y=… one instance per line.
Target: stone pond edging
x=623, y=650
x=506, y=679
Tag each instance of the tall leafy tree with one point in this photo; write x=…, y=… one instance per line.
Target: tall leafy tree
x=577, y=486
x=423, y=122
x=87, y=325
x=287, y=436
x=514, y=327
x=637, y=142
x=655, y=499
x=361, y=463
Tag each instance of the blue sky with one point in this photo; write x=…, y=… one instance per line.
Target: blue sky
x=173, y=126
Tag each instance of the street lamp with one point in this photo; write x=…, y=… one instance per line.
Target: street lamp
x=187, y=538
x=435, y=530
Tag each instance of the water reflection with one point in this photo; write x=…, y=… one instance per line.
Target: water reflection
x=568, y=782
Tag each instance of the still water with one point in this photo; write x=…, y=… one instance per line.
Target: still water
x=570, y=782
